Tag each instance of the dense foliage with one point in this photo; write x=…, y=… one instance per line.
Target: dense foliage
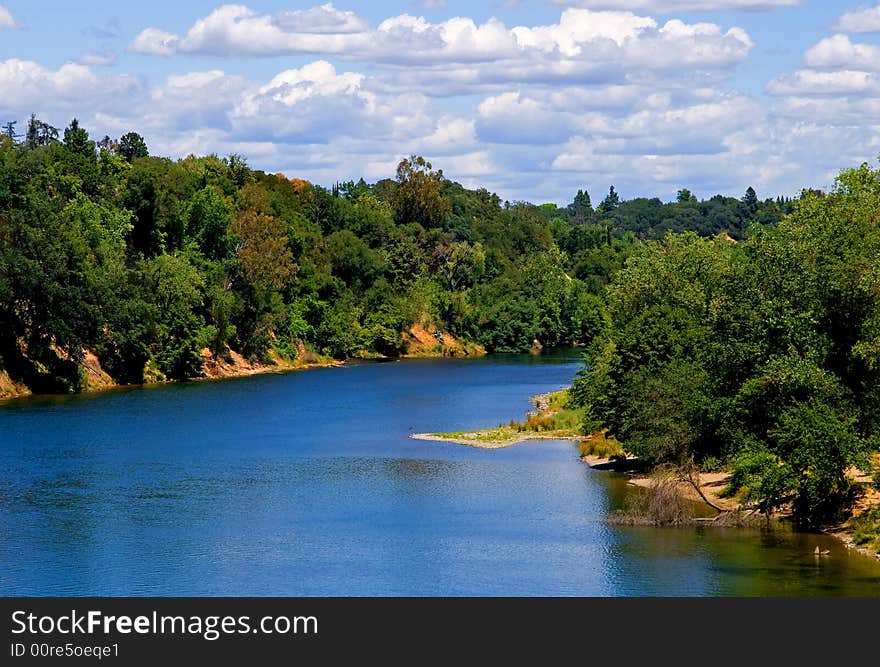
x=765, y=353
x=725, y=329
x=148, y=262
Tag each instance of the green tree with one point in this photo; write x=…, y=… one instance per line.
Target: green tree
x=418, y=197
x=207, y=223
x=132, y=145
x=580, y=211
x=76, y=139
x=610, y=203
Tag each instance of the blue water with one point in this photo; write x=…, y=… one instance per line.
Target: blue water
x=308, y=484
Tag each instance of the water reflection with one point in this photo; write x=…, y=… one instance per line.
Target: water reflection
x=308, y=484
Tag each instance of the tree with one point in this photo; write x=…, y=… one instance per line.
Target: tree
x=76, y=139
x=9, y=130
x=39, y=133
x=581, y=209
x=238, y=167
x=460, y=264
x=750, y=201
x=262, y=251
x=418, y=197
x=132, y=145
x=178, y=292
x=685, y=196
x=610, y=203
x=207, y=222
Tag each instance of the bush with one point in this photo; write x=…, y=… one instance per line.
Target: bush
x=602, y=446
x=660, y=504
x=866, y=530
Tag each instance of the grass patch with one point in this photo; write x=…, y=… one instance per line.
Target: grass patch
x=603, y=447
x=551, y=419
x=866, y=530
x=500, y=434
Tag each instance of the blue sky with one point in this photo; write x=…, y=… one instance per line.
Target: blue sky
x=531, y=99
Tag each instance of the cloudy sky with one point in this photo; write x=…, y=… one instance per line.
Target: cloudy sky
x=532, y=99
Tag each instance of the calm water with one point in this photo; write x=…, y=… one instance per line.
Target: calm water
x=307, y=484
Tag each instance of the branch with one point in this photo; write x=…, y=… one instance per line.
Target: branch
x=691, y=475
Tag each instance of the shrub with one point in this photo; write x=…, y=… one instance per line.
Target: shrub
x=602, y=446
x=866, y=530
x=660, y=504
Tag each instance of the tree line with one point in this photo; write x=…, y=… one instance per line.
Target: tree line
x=148, y=261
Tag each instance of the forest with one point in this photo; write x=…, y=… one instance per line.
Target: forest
x=762, y=356
x=729, y=331
x=148, y=261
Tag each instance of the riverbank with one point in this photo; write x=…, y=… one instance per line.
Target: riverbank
x=550, y=421
x=425, y=342
x=419, y=343
x=232, y=365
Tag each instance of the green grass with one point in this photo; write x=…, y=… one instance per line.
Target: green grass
x=602, y=446
x=555, y=420
x=866, y=530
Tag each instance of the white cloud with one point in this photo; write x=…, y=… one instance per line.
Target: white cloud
x=582, y=44
x=514, y=118
x=27, y=86
x=669, y=6
x=314, y=104
x=437, y=5
x=860, y=21
x=661, y=125
x=857, y=111
x=805, y=154
x=839, y=52
x=6, y=20
x=325, y=19
x=154, y=42
x=195, y=100
x=97, y=59
x=812, y=82
x=451, y=136
x=238, y=30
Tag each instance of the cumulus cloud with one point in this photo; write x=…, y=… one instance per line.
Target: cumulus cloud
x=514, y=118
x=6, y=20
x=813, y=82
x=839, y=52
x=315, y=104
x=669, y=6
x=154, y=42
x=582, y=44
x=860, y=21
x=325, y=19
x=237, y=30
x=839, y=111
x=805, y=154
x=451, y=136
x=195, y=100
x=660, y=126
x=29, y=85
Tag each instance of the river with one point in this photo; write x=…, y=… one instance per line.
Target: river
x=307, y=484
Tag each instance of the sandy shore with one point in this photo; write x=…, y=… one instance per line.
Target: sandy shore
x=482, y=443
x=712, y=484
